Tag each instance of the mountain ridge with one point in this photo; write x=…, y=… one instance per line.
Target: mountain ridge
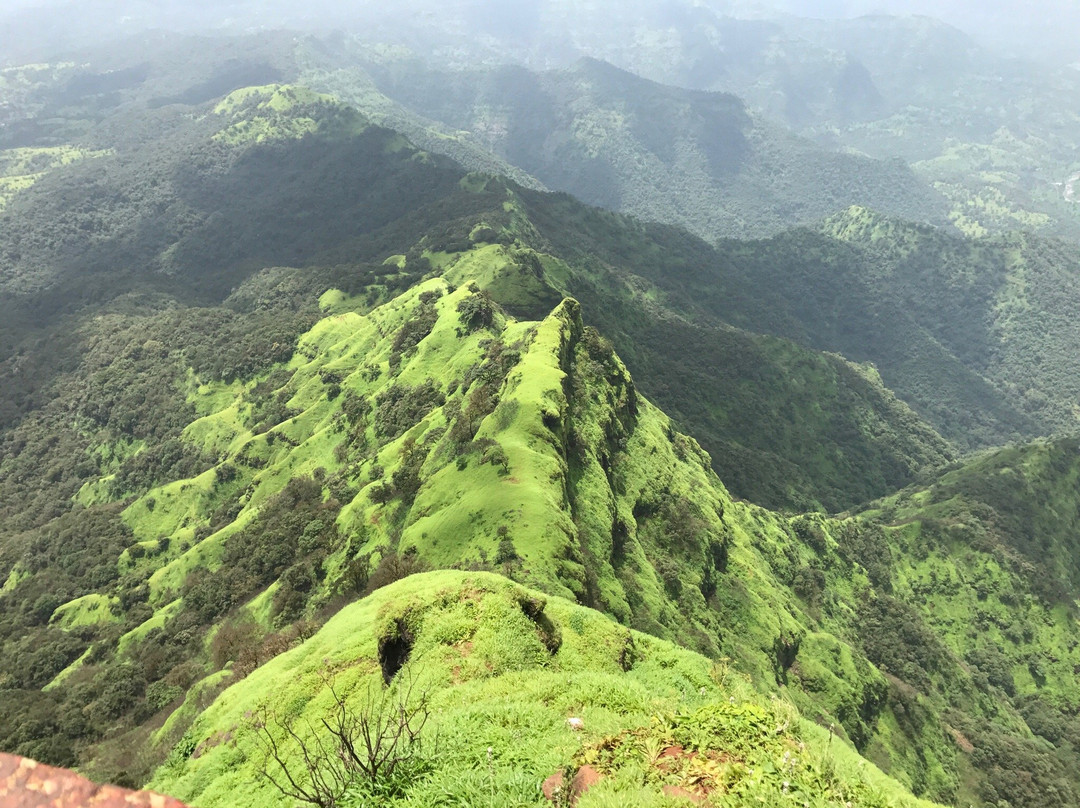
x=207, y=251
x=689, y=157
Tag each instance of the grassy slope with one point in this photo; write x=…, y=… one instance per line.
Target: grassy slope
x=975, y=334
x=986, y=553
x=21, y=168
x=596, y=495
x=665, y=300
x=202, y=175
x=501, y=688
x=642, y=527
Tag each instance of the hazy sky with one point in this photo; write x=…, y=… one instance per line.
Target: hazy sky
x=1027, y=26
x=1038, y=28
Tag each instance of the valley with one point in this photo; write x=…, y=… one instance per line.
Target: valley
x=587, y=428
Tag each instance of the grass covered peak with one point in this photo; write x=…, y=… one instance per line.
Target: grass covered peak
x=501, y=669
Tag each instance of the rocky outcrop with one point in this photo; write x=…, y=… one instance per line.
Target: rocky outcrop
x=27, y=784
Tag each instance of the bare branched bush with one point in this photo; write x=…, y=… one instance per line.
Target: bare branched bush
x=375, y=743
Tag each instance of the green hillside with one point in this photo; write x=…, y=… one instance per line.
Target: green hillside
x=977, y=335
x=284, y=176
x=277, y=358
x=993, y=135
x=497, y=670
x=977, y=386
x=64, y=100
x=531, y=453
x=188, y=199
x=834, y=430
x=701, y=160
x=987, y=555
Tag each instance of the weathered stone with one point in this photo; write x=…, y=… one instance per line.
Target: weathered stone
x=682, y=793
x=586, y=778
x=27, y=784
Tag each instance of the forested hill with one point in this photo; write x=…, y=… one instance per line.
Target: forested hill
x=181, y=207
x=697, y=159
x=284, y=176
x=701, y=160
x=994, y=136
x=978, y=335
x=290, y=486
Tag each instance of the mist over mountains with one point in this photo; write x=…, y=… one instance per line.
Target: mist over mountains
x=1040, y=33
x=579, y=403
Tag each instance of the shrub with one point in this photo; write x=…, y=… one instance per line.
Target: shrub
x=375, y=746
x=400, y=407
x=475, y=312
x=393, y=567
x=507, y=552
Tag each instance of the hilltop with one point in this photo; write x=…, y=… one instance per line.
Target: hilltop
x=498, y=670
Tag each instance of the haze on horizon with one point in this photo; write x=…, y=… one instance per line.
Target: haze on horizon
x=42, y=29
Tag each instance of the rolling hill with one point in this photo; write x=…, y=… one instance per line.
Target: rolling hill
x=261, y=181
x=993, y=135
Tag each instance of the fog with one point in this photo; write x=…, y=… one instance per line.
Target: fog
x=40, y=29
x=1036, y=28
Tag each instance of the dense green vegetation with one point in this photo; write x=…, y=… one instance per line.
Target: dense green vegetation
x=502, y=668
x=353, y=465
x=198, y=207
x=262, y=358
x=987, y=557
x=976, y=335
x=994, y=136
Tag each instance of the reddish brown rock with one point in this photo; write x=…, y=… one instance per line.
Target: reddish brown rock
x=586, y=778
x=678, y=791
x=26, y=784
x=552, y=786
